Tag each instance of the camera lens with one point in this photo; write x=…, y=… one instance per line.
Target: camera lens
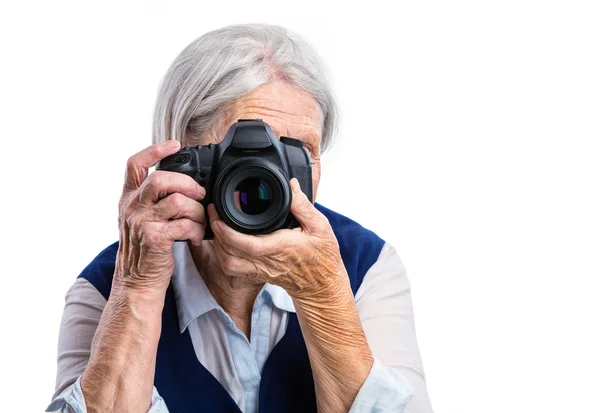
x=253, y=196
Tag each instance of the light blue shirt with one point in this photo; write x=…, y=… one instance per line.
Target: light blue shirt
x=237, y=362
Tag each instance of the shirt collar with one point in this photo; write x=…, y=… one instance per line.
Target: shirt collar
x=281, y=299
x=192, y=296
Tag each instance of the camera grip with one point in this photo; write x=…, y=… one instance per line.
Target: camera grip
x=303, y=173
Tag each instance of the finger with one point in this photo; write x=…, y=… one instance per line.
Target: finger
x=229, y=249
x=184, y=229
x=228, y=236
x=176, y=206
x=233, y=265
x=212, y=214
x=162, y=183
x=138, y=164
x=246, y=245
x=309, y=217
x=249, y=246
x=213, y=217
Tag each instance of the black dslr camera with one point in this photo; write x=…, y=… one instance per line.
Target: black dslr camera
x=247, y=176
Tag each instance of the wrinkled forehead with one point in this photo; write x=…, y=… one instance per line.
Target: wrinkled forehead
x=288, y=110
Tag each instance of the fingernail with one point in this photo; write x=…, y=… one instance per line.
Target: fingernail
x=295, y=185
x=173, y=143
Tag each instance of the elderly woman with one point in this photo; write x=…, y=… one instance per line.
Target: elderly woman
x=317, y=318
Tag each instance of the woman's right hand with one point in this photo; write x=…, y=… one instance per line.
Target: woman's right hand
x=155, y=211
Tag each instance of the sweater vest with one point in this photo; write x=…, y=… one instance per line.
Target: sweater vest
x=286, y=381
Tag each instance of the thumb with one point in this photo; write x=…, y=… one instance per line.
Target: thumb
x=305, y=212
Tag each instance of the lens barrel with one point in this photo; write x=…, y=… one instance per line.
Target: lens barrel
x=252, y=196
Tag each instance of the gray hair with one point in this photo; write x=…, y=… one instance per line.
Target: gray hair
x=224, y=65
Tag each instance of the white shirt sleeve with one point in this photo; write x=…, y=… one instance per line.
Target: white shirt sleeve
x=83, y=308
x=385, y=308
x=384, y=390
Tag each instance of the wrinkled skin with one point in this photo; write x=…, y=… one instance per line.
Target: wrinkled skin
x=304, y=261
x=156, y=210
x=301, y=261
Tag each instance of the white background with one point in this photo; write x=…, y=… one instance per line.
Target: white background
x=470, y=141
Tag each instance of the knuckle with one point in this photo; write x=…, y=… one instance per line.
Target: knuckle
x=187, y=225
x=134, y=222
x=198, y=232
x=132, y=162
x=156, y=180
x=229, y=264
x=254, y=248
x=153, y=239
x=149, y=234
x=178, y=201
x=155, y=150
x=185, y=228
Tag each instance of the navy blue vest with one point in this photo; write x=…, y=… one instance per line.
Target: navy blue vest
x=286, y=382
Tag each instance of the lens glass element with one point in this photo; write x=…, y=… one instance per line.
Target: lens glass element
x=253, y=196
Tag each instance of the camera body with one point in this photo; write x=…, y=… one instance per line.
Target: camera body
x=247, y=176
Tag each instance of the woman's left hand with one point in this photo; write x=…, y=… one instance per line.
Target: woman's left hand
x=305, y=261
